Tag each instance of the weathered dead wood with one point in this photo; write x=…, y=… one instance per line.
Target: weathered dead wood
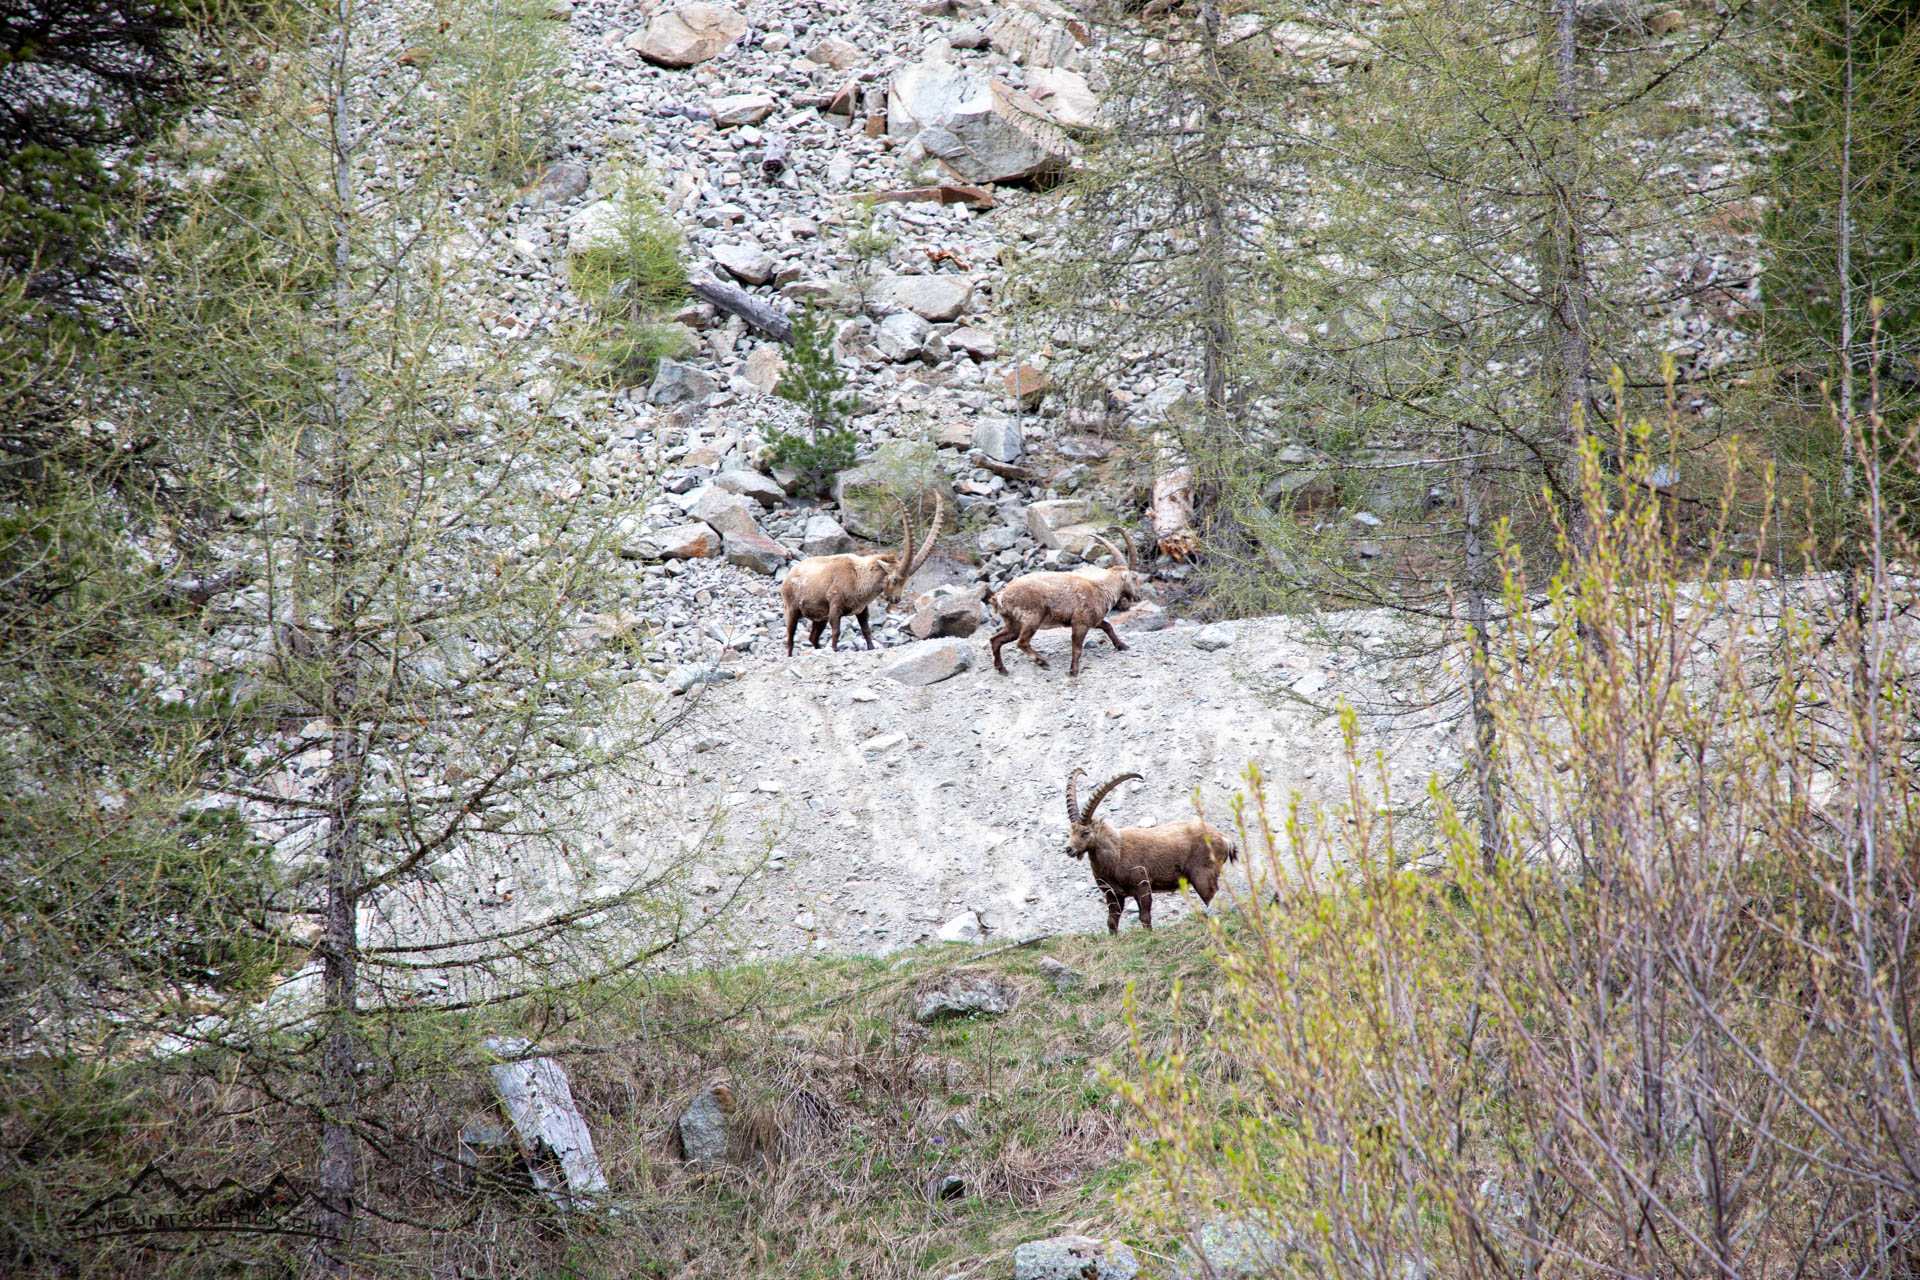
x=1173, y=513
x=773, y=162
x=539, y=1101
x=764, y=317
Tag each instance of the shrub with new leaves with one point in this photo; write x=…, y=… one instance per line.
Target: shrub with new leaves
x=813, y=380
x=1669, y=1031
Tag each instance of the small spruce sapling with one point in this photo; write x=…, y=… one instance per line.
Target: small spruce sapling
x=813, y=380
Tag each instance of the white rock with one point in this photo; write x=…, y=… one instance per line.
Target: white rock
x=595, y=227
x=977, y=343
x=747, y=263
x=964, y=927
x=1066, y=97
x=741, y=108
x=928, y=662
x=981, y=129
x=687, y=34
x=935, y=298
x=823, y=536
x=751, y=484
x=901, y=336
x=1213, y=638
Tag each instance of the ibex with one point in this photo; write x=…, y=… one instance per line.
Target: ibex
x=825, y=589
x=1081, y=600
x=1137, y=862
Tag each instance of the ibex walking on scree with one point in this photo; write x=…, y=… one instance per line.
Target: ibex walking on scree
x=1081, y=600
x=1137, y=862
x=825, y=589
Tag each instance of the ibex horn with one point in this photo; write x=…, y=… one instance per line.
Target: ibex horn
x=1132, y=558
x=933, y=535
x=1111, y=550
x=1101, y=794
x=1073, y=800
x=906, y=532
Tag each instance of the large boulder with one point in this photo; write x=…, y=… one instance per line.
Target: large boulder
x=823, y=536
x=1000, y=439
x=981, y=129
x=751, y=484
x=902, y=336
x=1069, y=101
x=755, y=551
x=1234, y=1249
x=748, y=263
x=687, y=34
x=676, y=383
x=1040, y=33
x=1074, y=1258
x=1045, y=520
x=964, y=994
x=681, y=542
x=956, y=615
x=935, y=298
x=927, y=662
x=726, y=512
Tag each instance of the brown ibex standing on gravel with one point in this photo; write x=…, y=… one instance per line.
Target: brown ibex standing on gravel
x=1136, y=862
x=1081, y=600
x=825, y=589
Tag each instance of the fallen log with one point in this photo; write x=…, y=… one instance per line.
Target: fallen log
x=732, y=299
x=773, y=162
x=1173, y=513
x=539, y=1101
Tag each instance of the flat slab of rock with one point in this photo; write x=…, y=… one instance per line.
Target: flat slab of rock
x=741, y=108
x=963, y=995
x=681, y=542
x=688, y=34
x=977, y=343
x=1074, y=1258
x=1145, y=616
x=928, y=662
x=755, y=551
x=726, y=512
x=935, y=298
x=751, y=484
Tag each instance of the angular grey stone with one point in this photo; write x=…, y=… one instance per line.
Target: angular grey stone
x=676, y=383
x=1074, y=1258
x=755, y=551
x=681, y=542
x=901, y=336
x=687, y=34
x=1214, y=638
x=1233, y=1249
x=955, y=615
x=726, y=512
x=998, y=539
x=1000, y=439
x=823, y=536
x=963, y=994
x=741, y=108
x=703, y=1129
x=1064, y=977
x=751, y=484
x=597, y=226
x=935, y=298
x=928, y=662
x=984, y=130
x=1144, y=616
x=977, y=343
x=836, y=53
x=747, y=263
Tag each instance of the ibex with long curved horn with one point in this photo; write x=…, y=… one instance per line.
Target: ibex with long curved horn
x=1081, y=600
x=1137, y=862
x=825, y=589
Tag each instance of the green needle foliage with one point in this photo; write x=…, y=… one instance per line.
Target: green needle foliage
x=813, y=380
